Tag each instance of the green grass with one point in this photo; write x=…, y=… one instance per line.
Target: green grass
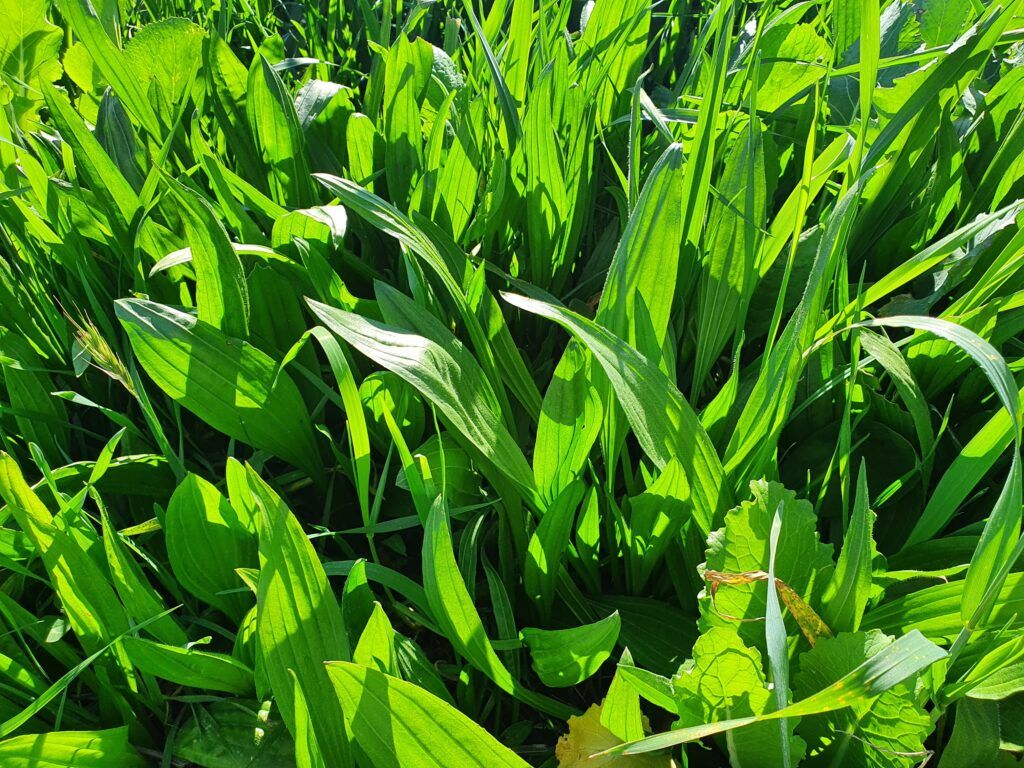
x=399, y=384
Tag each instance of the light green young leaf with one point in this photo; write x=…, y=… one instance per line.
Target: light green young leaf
x=279, y=138
x=207, y=540
x=376, y=646
x=569, y=423
x=70, y=749
x=221, y=294
x=190, y=666
x=229, y=384
x=620, y=710
x=307, y=752
x=566, y=657
x=447, y=375
x=664, y=423
x=298, y=624
x=725, y=680
x=399, y=725
x=29, y=54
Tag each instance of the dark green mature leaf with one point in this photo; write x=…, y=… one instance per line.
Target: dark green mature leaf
x=885, y=731
x=1002, y=533
x=847, y=594
x=234, y=733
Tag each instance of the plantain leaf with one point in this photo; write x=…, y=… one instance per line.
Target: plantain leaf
x=665, y=424
x=298, y=624
x=399, y=725
x=231, y=385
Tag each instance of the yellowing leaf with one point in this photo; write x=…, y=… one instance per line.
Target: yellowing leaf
x=587, y=737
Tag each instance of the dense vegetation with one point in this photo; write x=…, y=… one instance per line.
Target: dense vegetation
x=571, y=377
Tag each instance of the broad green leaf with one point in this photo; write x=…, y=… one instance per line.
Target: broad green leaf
x=298, y=623
x=802, y=562
x=569, y=423
x=444, y=373
x=730, y=269
x=165, y=55
x=664, y=423
x=207, y=539
x=725, y=680
x=976, y=735
x=398, y=725
x=234, y=734
x=885, y=731
x=103, y=176
x=190, y=666
x=993, y=675
x=655, y=518
x=110, y=61
x=231, y=385
x=407, y=74
x=935, y=610
x=565, y=657
x=221, y=294
x=794, y=59
x=278, y=134
x=457, y=617
x=71, y=749
x=887, y=668
x=307, y=752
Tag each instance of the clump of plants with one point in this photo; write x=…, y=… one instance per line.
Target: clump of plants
x=438, y=383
